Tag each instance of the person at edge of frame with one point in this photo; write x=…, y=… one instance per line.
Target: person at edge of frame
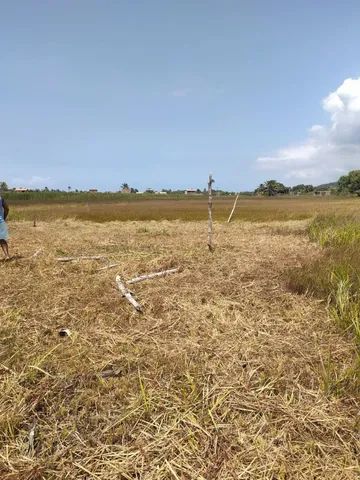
x=4, y=235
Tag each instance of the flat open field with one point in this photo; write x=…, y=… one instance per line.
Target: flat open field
x=132, y=207
x=223, y=376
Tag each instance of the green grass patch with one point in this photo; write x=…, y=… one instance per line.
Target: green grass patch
x=335, y=277
x=335, y=230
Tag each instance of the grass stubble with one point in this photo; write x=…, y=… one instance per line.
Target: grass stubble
x=221, y=377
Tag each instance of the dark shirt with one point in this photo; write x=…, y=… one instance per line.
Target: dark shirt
x=5, y=207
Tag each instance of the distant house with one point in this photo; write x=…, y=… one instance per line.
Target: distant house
x=21, y=189
x=93, y=190
x=192, y=191
x=322, y=193
x=160, y=193
x=125, y=190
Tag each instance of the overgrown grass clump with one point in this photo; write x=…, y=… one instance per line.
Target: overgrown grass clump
x=335, y=230
x=335, y=275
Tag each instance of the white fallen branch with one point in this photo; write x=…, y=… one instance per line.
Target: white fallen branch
x=111, y=373
x=31, y=446
x=152, y=275
x=112, y=265
x=34, y=255
x=84, y=257
x=127, y=294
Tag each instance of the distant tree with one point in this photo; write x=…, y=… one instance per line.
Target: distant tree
x=301, y=188
x=350, y=183
x=69, y=188
x=46, y=189
x=124, y=186
x=4, y=187
x=271, y=188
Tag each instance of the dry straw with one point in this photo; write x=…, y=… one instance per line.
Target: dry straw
x=225, y=375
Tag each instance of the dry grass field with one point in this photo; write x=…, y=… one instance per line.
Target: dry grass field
x=225, y=375
x=182, y=208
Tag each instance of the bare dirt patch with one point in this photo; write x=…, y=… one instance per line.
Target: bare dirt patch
x=221, y=377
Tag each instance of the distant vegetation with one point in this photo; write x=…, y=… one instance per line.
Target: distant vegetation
x=126, y=194
x=350, y=183
x=271, y=188
x=346, y=185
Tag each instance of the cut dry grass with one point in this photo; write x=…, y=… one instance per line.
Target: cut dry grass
x=224, y=376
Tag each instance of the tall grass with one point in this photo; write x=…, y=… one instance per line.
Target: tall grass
x=335, y=275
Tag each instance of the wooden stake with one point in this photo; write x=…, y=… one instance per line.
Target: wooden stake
x=85, y=257
x=210, y=233
x=233, y=209
x=127, y=294
x=152, y=275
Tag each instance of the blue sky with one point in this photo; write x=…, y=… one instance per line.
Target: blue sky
x=157, y=94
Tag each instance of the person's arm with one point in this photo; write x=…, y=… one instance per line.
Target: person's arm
x=6, y=209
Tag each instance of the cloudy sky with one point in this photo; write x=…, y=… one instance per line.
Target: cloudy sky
x=157, y=93
x=328, y=150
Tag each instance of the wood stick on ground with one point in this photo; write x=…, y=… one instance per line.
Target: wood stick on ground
x=36, y=253
x=152, y=275
x=31, y=447
x=84, y=257
x=111, y=373
x=210, y=229
x=112, y=265
x=127, y=294
x=233, y=209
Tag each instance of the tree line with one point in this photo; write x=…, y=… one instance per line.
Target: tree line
x=347, y=184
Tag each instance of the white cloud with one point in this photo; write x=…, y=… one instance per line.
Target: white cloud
x=33, y=181
x=329, y=150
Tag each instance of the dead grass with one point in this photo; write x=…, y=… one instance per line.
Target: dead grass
x=225, y=376
x=256, y=209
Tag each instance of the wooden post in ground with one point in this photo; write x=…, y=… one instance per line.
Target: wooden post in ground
x=210, y=226
x=233, y=209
